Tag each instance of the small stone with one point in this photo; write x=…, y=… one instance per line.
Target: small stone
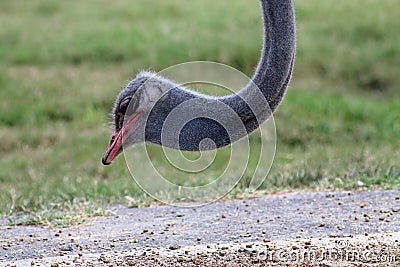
x=174, y=247
x=130, y=262
x=104, y=259
x=66, y=248
x=222, y=253
x=340, y=227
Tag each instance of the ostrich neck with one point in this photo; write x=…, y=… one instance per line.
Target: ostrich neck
x=226, y=119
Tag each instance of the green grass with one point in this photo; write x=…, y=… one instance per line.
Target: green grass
x=63, y=62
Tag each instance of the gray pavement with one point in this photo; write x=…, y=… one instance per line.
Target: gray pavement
x=239, y=224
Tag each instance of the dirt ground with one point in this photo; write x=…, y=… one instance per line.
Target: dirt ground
x=295, y=229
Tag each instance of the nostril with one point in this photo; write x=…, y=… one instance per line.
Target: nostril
x=112, y=139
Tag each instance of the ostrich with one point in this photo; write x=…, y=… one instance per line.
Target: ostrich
x=142, y=107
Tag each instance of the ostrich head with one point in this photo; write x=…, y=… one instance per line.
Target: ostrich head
x=130, y=112
x=144, y=105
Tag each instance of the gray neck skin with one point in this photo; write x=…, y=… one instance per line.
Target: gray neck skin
x=253, y=104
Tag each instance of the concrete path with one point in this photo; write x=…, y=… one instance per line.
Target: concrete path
x=329, y=228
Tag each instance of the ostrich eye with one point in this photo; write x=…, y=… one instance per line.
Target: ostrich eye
x=124, y=105
x=120, y=112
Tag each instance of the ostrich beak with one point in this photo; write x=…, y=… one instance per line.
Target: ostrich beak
x=117, y=139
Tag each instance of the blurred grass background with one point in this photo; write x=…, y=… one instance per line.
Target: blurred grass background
x=63, y=62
